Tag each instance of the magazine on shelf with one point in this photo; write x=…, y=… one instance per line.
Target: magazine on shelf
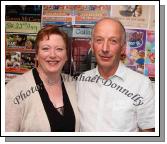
x=29, y=13
x=135, y=50
x=89, y=14
x=20, y=41
x=134, y=16
x=19, y=62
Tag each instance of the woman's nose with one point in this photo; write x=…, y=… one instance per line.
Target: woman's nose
x=53, y=53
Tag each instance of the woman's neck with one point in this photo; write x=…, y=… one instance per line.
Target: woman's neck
x=49, y=78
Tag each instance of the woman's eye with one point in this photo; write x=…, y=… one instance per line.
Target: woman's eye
x=45, y=48
x=59, y=49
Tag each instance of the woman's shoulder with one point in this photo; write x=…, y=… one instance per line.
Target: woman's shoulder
x=20, y=80
x=68, y=78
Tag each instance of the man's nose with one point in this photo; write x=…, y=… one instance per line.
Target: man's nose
x=105, y=47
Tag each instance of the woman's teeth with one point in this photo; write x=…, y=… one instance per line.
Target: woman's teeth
x=53, y=62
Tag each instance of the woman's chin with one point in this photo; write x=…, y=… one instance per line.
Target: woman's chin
x=52, y=70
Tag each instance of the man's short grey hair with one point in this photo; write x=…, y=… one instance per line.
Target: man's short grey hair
x=113, y=19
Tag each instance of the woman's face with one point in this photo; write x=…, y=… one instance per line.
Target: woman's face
x=52, y=54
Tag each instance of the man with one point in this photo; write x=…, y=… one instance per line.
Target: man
x=112, y=97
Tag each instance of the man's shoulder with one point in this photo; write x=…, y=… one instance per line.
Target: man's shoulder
x=86, y=76
x=89, y=72
x=136, y=76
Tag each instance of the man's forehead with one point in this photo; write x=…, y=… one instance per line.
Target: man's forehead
x=107, y=22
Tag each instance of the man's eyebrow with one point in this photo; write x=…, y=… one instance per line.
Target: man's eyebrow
x=97, y=36
x=115, y=37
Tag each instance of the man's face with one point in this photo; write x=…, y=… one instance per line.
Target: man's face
x=107, y=44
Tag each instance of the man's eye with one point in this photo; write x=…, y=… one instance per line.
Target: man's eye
x=113, y=41
x=99, y=40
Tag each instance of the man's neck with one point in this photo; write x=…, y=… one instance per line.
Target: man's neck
x=107, y=72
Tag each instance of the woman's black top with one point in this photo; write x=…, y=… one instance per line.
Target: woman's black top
x=58, y=122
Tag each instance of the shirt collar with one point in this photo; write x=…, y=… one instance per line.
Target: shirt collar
x=120, y=73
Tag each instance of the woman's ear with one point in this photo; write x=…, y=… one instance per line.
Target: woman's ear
x=36, y=57
x=36, y=61
x=66, y=58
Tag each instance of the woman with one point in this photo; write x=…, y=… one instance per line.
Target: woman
x=40, y=100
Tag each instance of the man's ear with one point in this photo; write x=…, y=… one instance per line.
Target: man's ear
x=92, y=50
x=123, y=50
x=91, y=46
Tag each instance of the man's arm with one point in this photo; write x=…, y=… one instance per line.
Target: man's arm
x=147, y=130
x=146, y=112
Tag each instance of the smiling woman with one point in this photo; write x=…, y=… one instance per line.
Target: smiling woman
x=40, y=110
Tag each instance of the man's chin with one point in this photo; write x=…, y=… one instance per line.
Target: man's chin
x=105, y=66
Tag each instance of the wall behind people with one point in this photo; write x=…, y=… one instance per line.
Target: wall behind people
x=22, y=22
